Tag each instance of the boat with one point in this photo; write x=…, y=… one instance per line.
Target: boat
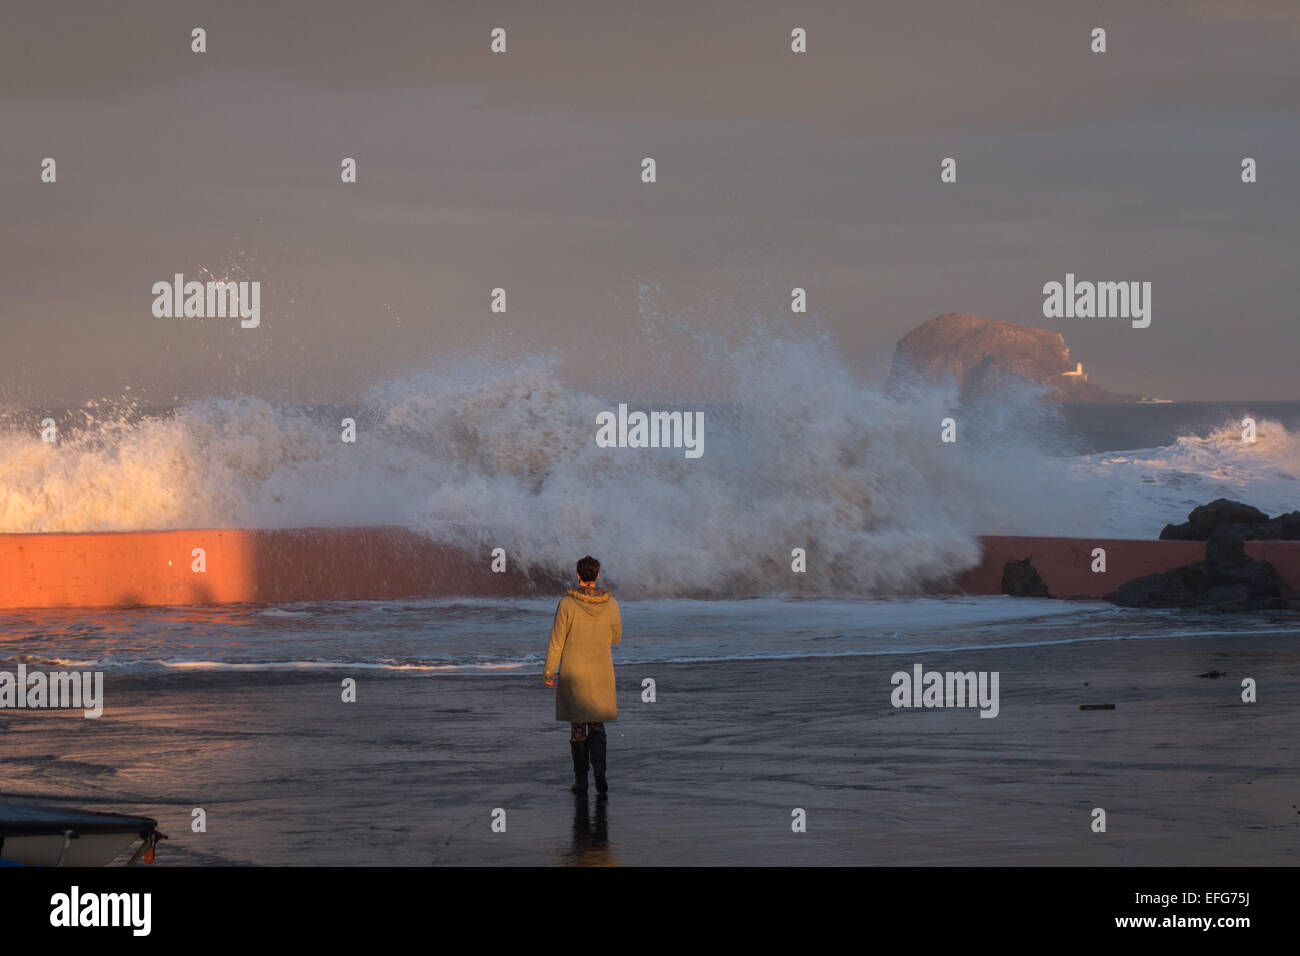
x=32, y=835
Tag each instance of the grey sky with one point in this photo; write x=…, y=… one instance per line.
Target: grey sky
x=522, y=171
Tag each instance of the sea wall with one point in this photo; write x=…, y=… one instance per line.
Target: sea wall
x=1065, y=564
x=126, y=569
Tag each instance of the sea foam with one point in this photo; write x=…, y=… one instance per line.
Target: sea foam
x=489, y=453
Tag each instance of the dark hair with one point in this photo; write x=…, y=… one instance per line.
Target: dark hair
x=588, y=568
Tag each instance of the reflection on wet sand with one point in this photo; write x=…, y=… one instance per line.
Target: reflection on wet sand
x=591, y=846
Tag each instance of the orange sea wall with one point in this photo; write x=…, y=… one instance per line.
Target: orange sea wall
x=125, y=569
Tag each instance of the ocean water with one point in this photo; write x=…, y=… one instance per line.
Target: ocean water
x=797, y=453
x=468, y=637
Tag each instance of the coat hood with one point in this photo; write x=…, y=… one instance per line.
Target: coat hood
x=591, y=600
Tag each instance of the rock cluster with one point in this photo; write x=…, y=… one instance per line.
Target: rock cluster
x=1228, y=579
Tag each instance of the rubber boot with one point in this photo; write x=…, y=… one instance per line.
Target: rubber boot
x=579, y=751
x=596, y=746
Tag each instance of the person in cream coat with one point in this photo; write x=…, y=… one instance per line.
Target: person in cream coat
x=587, y=625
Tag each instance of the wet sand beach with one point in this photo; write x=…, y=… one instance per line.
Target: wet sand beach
x=710, y=772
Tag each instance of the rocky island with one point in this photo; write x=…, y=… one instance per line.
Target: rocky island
x=984, y=355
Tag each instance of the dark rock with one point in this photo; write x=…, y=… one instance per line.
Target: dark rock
x=1021, y=579
x=1207, y=518
x=1260, y=579
x=1177, y=587
x=1204, y=521
x=1226, y=545
x=1226, y=595
x=1242, y=585
x=1284, y=527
